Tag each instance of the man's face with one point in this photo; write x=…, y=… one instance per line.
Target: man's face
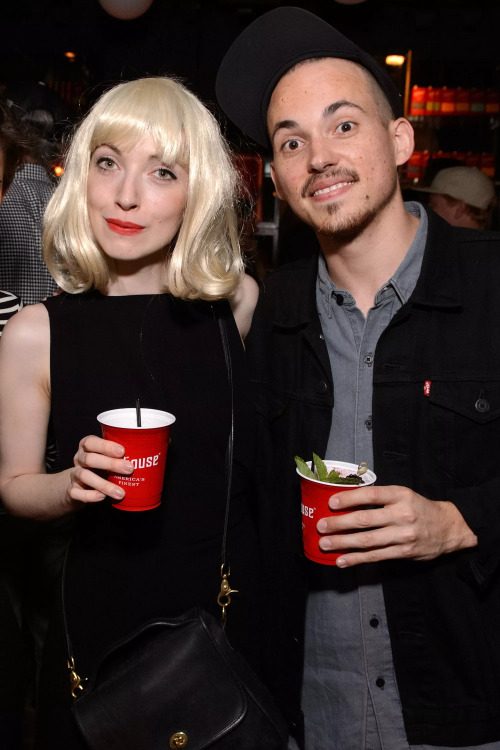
x=449, y=210
x=334, y=159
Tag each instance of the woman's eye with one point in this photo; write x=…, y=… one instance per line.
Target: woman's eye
x=165, y=174
x=345, y=127
x=105, y=162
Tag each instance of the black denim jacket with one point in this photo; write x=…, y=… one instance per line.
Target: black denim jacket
x=436, y=429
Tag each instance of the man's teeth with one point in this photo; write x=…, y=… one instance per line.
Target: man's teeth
x=332, y=188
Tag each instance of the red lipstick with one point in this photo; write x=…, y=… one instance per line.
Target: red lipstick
x=124, y=227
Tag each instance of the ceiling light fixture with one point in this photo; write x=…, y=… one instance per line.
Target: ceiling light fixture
x=395, y=60
x=125, y=9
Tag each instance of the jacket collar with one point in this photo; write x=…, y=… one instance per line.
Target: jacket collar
x=296, y=293
x=438, y=284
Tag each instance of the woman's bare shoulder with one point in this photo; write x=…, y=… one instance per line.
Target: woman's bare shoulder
x=27, y=332
x=243, y=303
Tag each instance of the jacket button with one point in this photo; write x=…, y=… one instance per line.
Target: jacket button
x=380, y=682
x=374, y=622
x=322, y=387
x=482, y=405
x=369, y=423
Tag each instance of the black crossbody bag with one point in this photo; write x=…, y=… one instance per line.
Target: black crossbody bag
x=177, y=682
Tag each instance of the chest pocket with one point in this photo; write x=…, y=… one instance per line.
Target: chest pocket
x=464, y=435
x=478, y=401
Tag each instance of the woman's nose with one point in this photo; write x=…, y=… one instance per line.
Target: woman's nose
x=127, y=196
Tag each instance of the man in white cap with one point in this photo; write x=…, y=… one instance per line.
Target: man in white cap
x=463, y=196
x=381, y=348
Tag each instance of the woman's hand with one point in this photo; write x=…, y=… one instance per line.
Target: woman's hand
x=95, y=458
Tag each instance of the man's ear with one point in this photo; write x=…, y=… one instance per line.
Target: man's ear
x=404, y=140
x=460, y=209
x=276, y=183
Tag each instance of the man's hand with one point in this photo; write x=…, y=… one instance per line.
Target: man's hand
x=404, y=525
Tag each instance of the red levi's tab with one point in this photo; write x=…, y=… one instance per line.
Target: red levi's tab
x=427, y=388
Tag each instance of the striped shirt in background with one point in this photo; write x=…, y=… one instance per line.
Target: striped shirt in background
x=9, y=304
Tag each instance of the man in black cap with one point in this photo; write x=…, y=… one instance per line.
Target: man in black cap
x=382, y=349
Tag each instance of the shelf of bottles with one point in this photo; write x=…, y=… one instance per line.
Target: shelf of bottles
x=470, y=110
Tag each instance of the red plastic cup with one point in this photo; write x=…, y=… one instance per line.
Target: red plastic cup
x=145, y=447
x=315, y=496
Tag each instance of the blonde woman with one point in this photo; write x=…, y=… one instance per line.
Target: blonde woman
x=141, y=235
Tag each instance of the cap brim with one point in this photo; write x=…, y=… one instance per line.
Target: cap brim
x=423, y=189
x=270, y=46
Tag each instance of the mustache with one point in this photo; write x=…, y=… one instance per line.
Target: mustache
x=341, y=173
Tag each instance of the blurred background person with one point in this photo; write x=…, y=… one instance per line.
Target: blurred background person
x=463, y=196
x=14, y=660
x=38, y=112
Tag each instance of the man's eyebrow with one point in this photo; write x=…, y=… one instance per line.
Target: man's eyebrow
x=327, y=112
x=332, y=108
x=283, y=125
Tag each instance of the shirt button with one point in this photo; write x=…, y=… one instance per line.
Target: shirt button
x=369, y=423
x=374, y=622
x=482, y=405
x=368, y=360
x=380, y=682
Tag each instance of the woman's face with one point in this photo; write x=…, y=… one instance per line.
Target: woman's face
x=135, y=201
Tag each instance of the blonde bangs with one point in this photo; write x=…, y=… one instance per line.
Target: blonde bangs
x=143, y=109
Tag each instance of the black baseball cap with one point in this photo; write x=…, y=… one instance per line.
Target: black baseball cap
x=267, y=49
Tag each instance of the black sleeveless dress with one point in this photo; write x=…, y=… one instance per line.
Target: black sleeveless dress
x=124, y=568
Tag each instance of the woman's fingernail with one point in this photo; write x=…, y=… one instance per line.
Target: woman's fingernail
x=322, y=526
x=118, y=493
x=129, y=468
x=341, y=563
x=334, y=502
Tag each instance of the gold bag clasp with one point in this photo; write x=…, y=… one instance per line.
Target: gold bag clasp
x=178, y=740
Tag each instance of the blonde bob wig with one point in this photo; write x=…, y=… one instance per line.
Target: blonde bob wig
x=204, y=260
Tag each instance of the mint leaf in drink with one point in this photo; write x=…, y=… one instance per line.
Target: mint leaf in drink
x=321, y=470
x=350, y=479
x=333, y=477
x=304, y=468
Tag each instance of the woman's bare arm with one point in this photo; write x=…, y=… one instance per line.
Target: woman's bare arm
x=25, y=488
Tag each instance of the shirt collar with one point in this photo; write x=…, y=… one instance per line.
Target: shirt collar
x=402, y=282
x=32, y=171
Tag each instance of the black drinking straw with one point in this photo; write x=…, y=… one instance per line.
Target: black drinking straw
x=138, y=412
